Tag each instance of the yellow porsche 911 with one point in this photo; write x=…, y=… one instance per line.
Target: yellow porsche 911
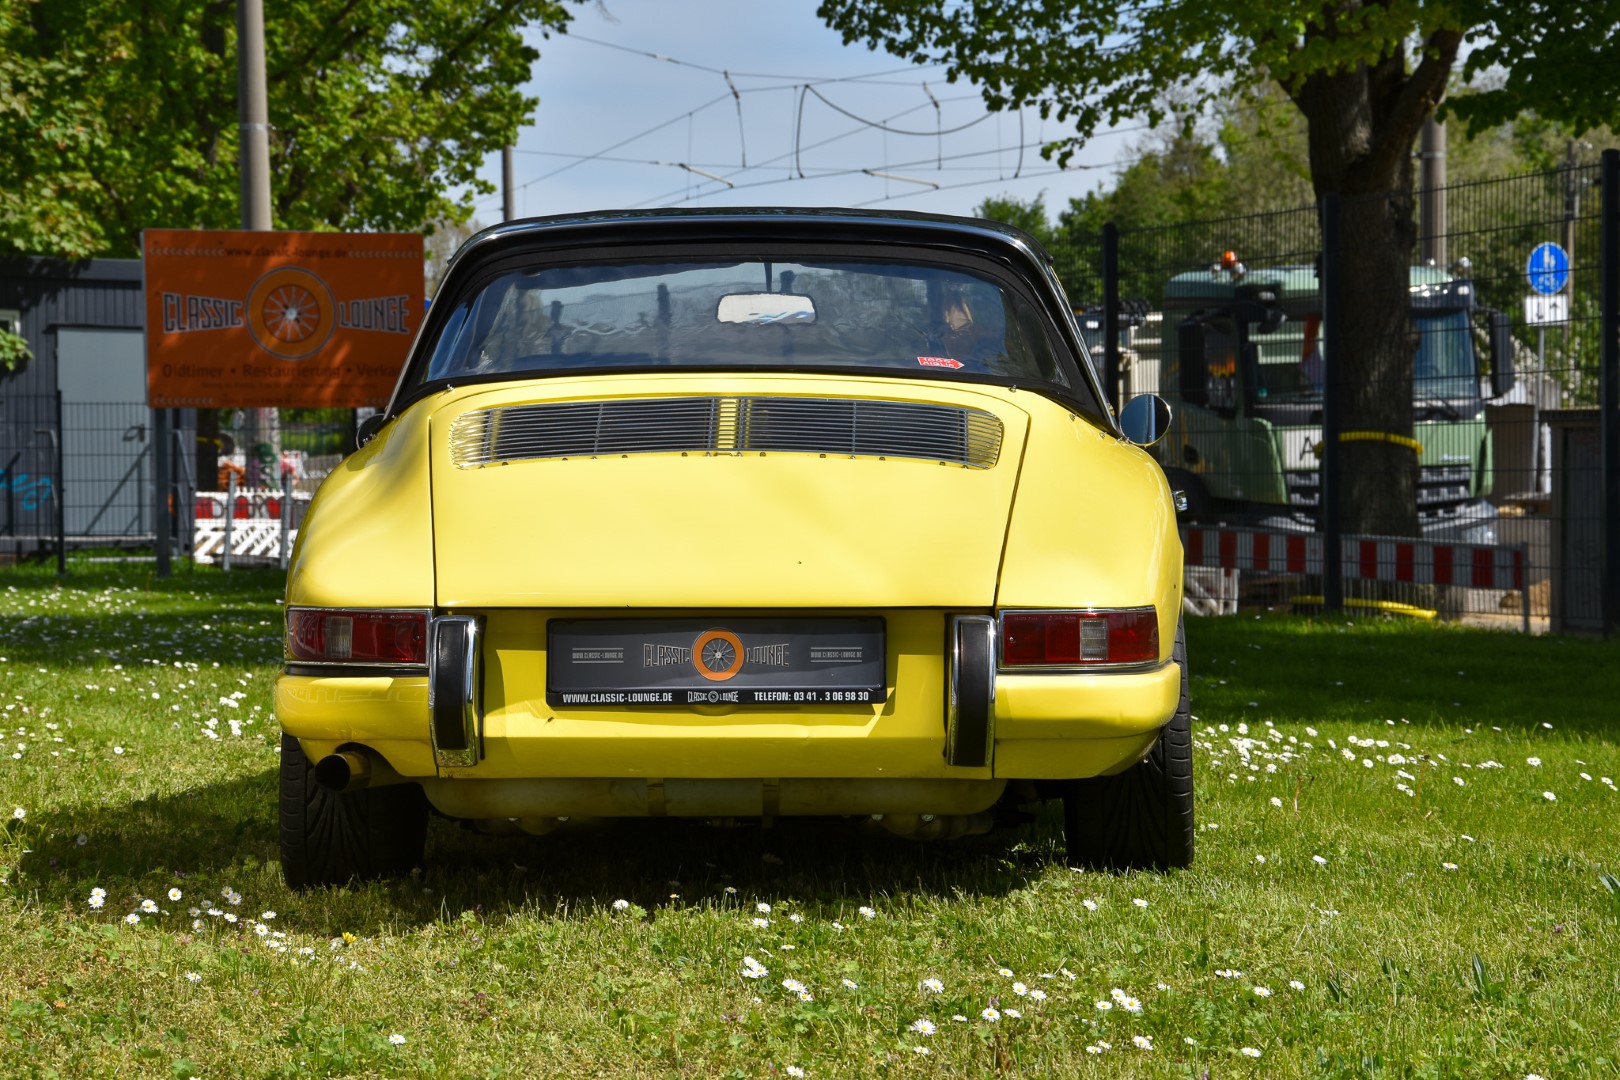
x=740, y=514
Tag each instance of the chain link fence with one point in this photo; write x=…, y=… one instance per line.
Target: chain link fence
x=85, y=475
x=1474, y=413
x=1467, y=416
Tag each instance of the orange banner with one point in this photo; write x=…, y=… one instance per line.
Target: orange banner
x=238, y=319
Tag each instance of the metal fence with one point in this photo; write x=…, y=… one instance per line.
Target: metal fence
x=77, y=475
x=1500, y=358
x=1482, y=364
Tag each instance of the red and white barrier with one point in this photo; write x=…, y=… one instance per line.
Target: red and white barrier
x=250, y=504
x=1366, y=558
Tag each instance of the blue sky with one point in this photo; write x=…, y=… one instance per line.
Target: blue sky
x=614, y=125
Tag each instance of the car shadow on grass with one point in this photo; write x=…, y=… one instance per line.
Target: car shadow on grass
x=223, y=837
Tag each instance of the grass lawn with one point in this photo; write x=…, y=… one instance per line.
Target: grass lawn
x=1405, y=833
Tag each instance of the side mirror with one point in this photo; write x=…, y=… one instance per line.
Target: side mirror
x=368, y=429
x=1503, y=375
x=1145, y=419
x=1190, y=347
x=1249, y=356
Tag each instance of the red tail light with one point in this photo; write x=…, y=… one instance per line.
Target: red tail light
x=356, y=636
x=1077, y=638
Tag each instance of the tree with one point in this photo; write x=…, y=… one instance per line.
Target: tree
x=443, y=240
x=1029, y=216
x=121, y=115
x=1364, y=75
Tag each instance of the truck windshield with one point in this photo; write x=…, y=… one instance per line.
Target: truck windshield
x=1443, y=366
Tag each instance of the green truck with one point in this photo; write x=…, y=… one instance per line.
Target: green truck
x=1241, y=361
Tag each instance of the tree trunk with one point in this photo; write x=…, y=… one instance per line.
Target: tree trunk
x=1378, y=477
x=1362, y=123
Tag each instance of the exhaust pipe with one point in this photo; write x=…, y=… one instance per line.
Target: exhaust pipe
x=353, y=770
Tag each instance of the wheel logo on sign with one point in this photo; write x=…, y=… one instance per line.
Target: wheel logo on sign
x=291, y=313
x=717, y=654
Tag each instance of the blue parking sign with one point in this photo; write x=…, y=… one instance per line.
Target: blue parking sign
x=1548, y=268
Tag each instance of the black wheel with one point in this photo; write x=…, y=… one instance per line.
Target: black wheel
x=1143, y=817
x=329, y=839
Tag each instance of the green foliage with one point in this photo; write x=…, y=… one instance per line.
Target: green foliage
x=1030, y=216
x=13, y=349
x=1098, y=64
x=1453, y=931
x=120, y=115
x=1364, y=75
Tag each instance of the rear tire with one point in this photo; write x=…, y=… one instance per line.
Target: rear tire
x=1141, y=818
x=329, y=838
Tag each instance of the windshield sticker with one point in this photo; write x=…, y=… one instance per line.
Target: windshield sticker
x=939, y=361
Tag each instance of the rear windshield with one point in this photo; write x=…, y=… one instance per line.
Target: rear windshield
x=748, y=313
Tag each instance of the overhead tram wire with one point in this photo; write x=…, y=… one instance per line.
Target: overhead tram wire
x=663, y=198
x=712, y=101
x=979, y=183
x=880, y=125
x=794, y=79
x=802, y=84
x=831, y=174
x=850, y=171
x=798, y=149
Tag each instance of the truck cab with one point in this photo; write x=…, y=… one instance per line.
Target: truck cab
x=1243, y=360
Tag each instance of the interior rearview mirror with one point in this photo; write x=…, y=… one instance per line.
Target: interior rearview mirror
x=766, y=309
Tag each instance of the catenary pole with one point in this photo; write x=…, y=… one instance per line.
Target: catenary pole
x=1432, y=157
x=1609, y=391
x=253, y=127
x=508, y=185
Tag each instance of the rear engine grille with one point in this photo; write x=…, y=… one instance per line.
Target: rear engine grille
x=731, y=425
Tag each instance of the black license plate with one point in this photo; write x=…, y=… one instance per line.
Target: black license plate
x=662, y=662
